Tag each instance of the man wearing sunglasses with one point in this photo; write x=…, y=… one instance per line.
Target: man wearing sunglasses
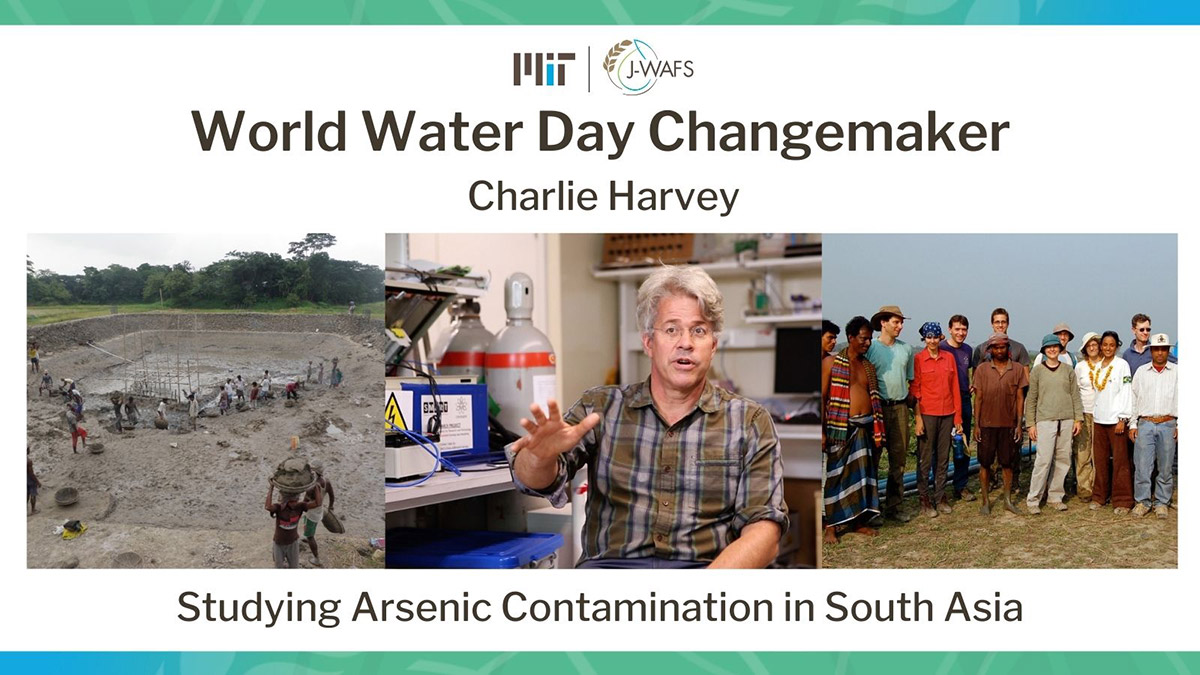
x=1138, y=353
x=681, y=473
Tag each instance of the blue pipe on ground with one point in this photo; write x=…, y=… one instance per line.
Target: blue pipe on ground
x=910, y=478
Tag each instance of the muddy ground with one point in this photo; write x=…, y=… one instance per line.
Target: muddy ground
x=183, y=499
x=1071, y=539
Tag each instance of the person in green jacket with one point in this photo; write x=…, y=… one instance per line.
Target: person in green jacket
x=1053, y=415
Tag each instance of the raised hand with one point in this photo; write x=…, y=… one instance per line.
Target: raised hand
x=549, y=435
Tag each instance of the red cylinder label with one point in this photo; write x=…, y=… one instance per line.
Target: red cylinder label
x=462, y=359
x=524, y=360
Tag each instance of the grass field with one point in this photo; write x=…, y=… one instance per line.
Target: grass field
x=1073, y=539
x=44, y=314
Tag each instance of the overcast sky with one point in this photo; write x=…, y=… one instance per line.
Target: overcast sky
x=1094, y=282
x=70, y=253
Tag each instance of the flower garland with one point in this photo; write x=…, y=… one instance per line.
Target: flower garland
x=1099, y=386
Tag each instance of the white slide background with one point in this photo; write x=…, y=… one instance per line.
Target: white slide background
x=98, y=137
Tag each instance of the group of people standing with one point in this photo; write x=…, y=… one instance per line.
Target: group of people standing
x=1085, y=411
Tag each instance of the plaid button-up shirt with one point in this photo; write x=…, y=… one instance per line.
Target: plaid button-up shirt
x=679, y=492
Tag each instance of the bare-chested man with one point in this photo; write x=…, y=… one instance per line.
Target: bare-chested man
x=852, y=434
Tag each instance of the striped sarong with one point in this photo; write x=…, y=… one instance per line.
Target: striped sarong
x=850, y=476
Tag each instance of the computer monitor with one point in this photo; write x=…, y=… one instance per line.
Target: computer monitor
x=797, y=360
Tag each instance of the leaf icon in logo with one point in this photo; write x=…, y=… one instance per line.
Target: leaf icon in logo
x=610, y=60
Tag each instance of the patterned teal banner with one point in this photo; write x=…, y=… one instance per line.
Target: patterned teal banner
x=465, y=663
x=600, y=12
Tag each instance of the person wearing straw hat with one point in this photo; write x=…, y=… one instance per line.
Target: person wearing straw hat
x=938, y=415
x=999, y=384
x=1111, y=415
x=893, y=362
x=1154, y=427
x=1085, y=373
x=1063, y=331
x=1054, y=415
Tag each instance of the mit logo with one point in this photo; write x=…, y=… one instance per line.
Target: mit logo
x=545, y=68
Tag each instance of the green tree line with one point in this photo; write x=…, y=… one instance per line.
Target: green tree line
x=241, y=279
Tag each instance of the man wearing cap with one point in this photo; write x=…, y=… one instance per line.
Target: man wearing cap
x=1053, y=415
x=1138, y=353
x=956, y=345
x=1016, y=350
x=1063, y=331
x=999, y=384
x=1154, y=427
x=938, y=414
x=893, y=363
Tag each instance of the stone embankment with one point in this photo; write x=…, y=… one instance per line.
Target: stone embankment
x=70, y=334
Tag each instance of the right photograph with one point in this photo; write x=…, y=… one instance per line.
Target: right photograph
x=1000, y=401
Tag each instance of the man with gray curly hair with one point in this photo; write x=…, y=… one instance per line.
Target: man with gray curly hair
x=681, y=473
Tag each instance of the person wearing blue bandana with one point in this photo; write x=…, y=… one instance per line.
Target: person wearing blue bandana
x=938, y=415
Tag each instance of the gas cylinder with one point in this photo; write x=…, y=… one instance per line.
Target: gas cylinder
x=520, y=361
x=455, y=312
x=468, y=344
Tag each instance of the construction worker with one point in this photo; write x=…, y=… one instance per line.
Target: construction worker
x=77, y=430
x=313, y=517
x=130, y=410
x=193, y=409
x=115, y=399
x=160, y=419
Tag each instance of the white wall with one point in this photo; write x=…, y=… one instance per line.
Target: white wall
x=588, y=337
x=499, y=254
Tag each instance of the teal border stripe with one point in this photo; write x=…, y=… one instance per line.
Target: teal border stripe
x=601, y=12
x=516, y=663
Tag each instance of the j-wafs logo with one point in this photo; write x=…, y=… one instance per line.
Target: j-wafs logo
x=634, y=67
x=541, y=68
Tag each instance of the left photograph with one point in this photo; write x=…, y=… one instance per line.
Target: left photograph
x=202, y=401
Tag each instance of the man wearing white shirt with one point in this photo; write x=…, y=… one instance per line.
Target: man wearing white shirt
x=1153, y=428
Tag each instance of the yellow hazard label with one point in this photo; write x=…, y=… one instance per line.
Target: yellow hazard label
x=392, y=414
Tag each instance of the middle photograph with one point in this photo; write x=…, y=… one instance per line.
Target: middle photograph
x=617, y=401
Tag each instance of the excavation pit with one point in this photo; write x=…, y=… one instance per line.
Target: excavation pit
x=196, y=497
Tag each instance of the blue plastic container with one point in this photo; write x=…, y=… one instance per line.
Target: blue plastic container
x=409, y=547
